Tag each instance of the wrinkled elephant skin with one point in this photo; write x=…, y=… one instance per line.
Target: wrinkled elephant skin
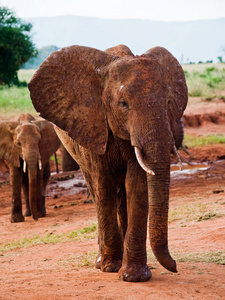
x=115, y=113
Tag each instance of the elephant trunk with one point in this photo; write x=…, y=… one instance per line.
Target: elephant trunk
x=32, y=162
x=155, y=160
x=158, y=193
x=32, y=175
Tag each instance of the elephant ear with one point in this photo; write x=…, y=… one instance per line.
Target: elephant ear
x=66, y=90
x=174, y=77
x=120, y=51
x=50, y=142
x=7, y=149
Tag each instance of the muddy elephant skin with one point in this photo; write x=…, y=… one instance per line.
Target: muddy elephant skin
x=26, y=146
x=114, y=112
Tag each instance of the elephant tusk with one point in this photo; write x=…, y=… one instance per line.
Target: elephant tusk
x=179, y=162
x=141, y=161
x=24, y=166
x=186, y=151
x=40, y=164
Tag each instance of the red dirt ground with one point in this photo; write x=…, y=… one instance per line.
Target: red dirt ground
x=56, y=271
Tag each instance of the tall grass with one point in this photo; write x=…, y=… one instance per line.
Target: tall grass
x=15, y=100
x=193, y=141
x=204, y=80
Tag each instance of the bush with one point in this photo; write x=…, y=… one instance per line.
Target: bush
x=15, y=46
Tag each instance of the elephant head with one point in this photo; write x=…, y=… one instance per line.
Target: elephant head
x=28, y=145
x=87, y=93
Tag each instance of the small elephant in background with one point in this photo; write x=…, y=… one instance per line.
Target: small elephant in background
x=26, y=146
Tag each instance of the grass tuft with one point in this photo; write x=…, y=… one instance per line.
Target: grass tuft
x=193, y=141
x=79, y=234
x=86, y=259
x=206, y=257
x=196, y=212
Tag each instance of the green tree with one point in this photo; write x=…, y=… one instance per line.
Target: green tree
x=16, y=46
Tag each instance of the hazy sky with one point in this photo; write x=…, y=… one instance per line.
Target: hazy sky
x=157, y=10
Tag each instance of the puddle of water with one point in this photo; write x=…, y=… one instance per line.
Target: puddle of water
x=187, y=169
x=67, y=183
x=77, y=183
x=72, y=183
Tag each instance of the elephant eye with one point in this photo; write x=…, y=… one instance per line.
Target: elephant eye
x=18, y=143
x=123, y=104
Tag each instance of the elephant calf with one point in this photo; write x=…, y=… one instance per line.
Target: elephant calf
x=26, y=146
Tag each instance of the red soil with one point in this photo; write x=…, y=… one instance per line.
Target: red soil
x=49, y=271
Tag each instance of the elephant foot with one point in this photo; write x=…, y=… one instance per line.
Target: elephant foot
x=27, y=213
x=108, y=265
x=41, y=208
x=134, y=273
x=17, y=218
x=35, y=216
x=41, y=214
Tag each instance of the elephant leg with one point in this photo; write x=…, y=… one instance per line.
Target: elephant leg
x=16, y=182
x=25, y=187
x=43, y=179
x=134, y=265
x=122, y=210
x=110, y=240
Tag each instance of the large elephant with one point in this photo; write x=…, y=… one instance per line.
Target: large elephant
x=26, y=146
x=114, y=112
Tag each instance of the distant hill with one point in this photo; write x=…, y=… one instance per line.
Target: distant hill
x=188, y=41
x=43, y=53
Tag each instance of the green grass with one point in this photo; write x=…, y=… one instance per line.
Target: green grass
x=206, y=257
x=203, y=80
x=201, y=67
x=15, y=100
x=86, y=259
x=58, y=159
x=193, y=141
x=216, y=257
x=76, y=235
x=195, y=212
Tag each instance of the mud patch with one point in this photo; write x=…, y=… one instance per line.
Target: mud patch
x=188, y=169
x=66, y=183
